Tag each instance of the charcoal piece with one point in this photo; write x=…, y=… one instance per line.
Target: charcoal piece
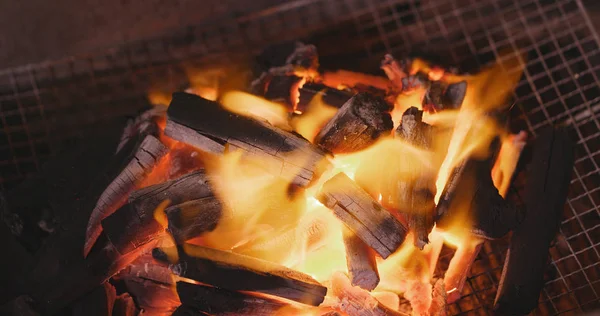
x=284, y=89
x=357, y=124
x=232, y=271
x=545, y=194
x=196, y=298
x=148, y=154
x=395, y=71
x=154, y=298
x=471, y=191
x=330, y=96
x=438, y=299
x=353, y=300
x=125, y=306
x=411, y=83
x=134, y=225
x=208, y=127
x=417, y=196
x=363, y=215
x=362, y=267
x=192, y=218
x=98, y=302
x=454, y=95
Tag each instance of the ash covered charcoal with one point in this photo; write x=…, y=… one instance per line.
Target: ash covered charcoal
x=443, y=96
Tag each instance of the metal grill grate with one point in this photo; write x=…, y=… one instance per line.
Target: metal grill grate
x=43, y=105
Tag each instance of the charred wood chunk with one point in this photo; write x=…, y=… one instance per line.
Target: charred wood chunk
x=192, y=218
x=442, y=96
x=471, y=191
x=133, y=225
x=545, y=195
x=215, y=301
x=357, y=124
x=284, y=89
x=438, y=299
x=147, y=268
x=395, y=71
x=363, y=215
x=330, y=96
x=417, y=196
x=99, y=302
x=231, y=271
x=362, y=267
x=205, y=125
x=146, y=157
x=411, y=83
x=124, y=306
x=154, y=298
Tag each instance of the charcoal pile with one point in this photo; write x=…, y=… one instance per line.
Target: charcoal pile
x=313, y=191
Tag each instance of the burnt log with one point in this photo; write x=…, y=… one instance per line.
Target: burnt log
x=208, y=127
x=471, y=191
x=98, y=302
x=363, y=215
x=134, y=225
x=284, y=89
x=115, y=194
x=192, y=218
x=546, y=190
x=231, y=271
x=417, y=196
x=438, y=299
x=196, y=298
x=357, y=124
x=362, y=266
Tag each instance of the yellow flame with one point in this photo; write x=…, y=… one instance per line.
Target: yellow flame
x=252, y=106
x=316, y=115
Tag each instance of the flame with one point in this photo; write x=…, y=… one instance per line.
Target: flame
x=316, y=115
x=249, y=105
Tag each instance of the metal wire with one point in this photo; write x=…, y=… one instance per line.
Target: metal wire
x=43, y=105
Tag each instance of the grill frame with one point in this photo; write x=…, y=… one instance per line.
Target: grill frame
x=43, y=105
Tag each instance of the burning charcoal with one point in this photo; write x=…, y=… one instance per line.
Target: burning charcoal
x=284, y=90
x=192, y=218
x=206, y=126
x=147, y=155
x=362, y=266
x=418, y=195
x=470, y=189
x=394, y=70
x=363, y=215
x=459, y=268
x=356, y=125
x=231, y=271
x=124, y=306
x=438, y=299
x=154, y=298
x=545, y=194
x=411, y=83
x=353, y=80
x=147, y=268
x=215, y=301
x=333, y=97
x=441, y=96
x=353, y=300
x=134, y=225
x=19, y=306
x=98, y=302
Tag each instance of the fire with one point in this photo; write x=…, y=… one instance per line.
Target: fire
x=266, y=217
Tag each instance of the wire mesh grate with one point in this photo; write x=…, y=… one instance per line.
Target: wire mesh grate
x=42, y=106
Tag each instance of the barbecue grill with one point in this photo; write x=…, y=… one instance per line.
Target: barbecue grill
x=43, y=106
